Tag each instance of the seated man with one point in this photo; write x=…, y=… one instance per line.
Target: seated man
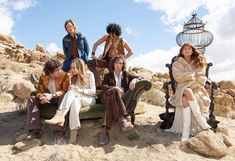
x=114, y=44
x=116, y=83
x=51, y=87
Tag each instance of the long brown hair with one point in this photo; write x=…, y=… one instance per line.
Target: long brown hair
x=197, y=57
x=115, y=59
x=82, y=70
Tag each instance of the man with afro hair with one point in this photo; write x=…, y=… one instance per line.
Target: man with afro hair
x=114, y=45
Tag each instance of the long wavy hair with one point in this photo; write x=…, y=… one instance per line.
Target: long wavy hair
x=198, y=59
x=82, y=70
x=115, y=59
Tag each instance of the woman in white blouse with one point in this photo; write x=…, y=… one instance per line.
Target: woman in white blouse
x=82, y=93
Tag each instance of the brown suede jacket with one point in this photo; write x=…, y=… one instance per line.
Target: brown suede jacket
x=62, y=84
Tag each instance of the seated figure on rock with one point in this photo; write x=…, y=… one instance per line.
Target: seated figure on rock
x=191, y=98
x=114, y=86
x=52, y=86
x=81, y=93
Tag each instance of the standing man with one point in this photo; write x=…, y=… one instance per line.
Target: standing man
x=74, y=45
x=114, y=45
x=51, y=87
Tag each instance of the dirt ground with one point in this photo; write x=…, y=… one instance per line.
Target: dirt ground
x=147, y=142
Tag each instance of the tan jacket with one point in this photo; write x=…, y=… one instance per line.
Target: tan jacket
x=62, y=84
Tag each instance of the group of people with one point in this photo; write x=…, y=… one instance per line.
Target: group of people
x=70, y=92
x=75, y=86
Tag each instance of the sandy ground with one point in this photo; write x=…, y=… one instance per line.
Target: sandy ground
x=147, y=142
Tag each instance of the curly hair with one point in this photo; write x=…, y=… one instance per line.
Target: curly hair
x=115, y=59
x=114, y=28
x=51, y=66
x=70, y=21
x=197, y=57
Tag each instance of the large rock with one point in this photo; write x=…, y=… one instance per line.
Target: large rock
x=226, y=84
x=210, y=143
x=21, y=90
x=40, y=47
x=60, y=54
x=6, y=97
x=231, y=92
x=224, y=102
x=35, y=56
x=146, y=74
x=7, y=39
x=154, y=97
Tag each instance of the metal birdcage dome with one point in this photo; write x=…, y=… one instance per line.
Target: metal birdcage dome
x=194, y=32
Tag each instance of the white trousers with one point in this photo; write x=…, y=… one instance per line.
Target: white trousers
x=73, y=101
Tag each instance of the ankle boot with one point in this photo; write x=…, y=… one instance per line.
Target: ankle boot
x=124, y=125
x=73, y=136
x=104, y=136
x=186, y=123
x=197, y=113
x=57, y=119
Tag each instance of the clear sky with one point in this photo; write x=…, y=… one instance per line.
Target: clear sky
x=150, y=27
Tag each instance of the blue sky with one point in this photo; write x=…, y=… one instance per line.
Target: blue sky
x=150, y=27
x=46, y=20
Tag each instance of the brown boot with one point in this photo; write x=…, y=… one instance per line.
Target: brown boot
x=124, y=125
x=33, y=134
x=73, y=136
x=104, y=137
x=27, y=144
x=57, y=119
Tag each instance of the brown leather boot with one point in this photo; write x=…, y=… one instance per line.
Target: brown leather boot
x=104, y=137
x=33, y=134
x=57, y=119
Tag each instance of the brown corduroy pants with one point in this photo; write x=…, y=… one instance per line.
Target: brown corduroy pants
x=33, y=113
x=114, y=106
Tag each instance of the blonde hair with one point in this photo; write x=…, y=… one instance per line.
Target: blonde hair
x=197, y=57
x=70, y=21
x=82, y=70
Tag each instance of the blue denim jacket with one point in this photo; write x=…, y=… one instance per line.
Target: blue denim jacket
x=83, y=49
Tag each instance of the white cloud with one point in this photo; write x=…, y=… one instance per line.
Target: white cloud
x=7, y=22
x=52, y=48
x=131, y=31
x=20, y=5
x=8, y=8
x=173, y=11
x=219, y=21
x=154, y=60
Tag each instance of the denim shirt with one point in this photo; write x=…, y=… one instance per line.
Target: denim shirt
x=82, y=46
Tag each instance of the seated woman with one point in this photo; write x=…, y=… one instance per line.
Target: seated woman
x=190, y=95
x=80, y=94
x=115, y=84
